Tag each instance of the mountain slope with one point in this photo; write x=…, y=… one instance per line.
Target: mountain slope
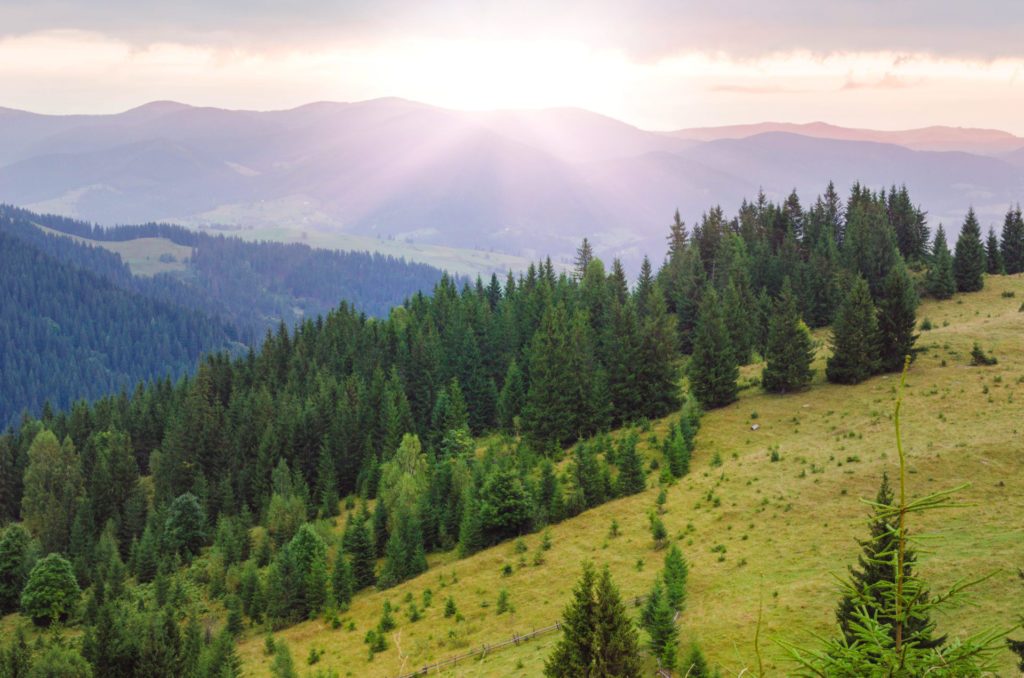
x=67, y=333
x=754, y=532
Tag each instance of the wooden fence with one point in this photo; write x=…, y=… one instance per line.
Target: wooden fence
x=486, y=649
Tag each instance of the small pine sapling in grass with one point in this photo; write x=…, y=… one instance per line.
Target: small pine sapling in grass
x=504, y=605
x=613, y=530
x=449, y=607
x=660, y=501
x=545, y=539
x=387, y=621
x=978, y=357
x=658, y=531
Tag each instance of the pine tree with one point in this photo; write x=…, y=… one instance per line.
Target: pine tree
x=675, y=573
x=342, y=583
x=657, y=371
x=940, y=282
x=598, y=639
x=872, y=581
x=631, y=472
x=1012, y=241
x=969, y=259
x=854, y=338
x=712, y=369
x=309, y=556
x=615, y=636
x=360, y=546
x=663, y=632
x=695, y=666
x=584, y=255
x=993, y=256
x=896, y=320
x=737, y=322
x=790, y=350
x=512, y=398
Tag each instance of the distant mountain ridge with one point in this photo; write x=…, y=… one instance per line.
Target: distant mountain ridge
x=528, y=183
x=934, y=138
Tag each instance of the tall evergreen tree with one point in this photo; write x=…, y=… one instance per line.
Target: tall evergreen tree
x=584, y=255
x=969, y=259
x=854, y=338
x=658, y=373
x=598, y=639
x=940, y=282
x=712, y=368
x=1012, y=241
x=993, y=255
x=896, y=310
x=512, y=399
x=360, y=546
x=675, y=573
x=631, y=473
x=790, y=350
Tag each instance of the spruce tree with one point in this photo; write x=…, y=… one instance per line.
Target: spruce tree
x=873, y=579
x=940, y=282
x=512, y=398
x=631, y=471
x=342, y=583
x=598, y=639
x=896, y=320
x=360, y=546
x=854, y=338
x=969, y=258
x=1012, y=241
x=737, y=322
x=712, y=369
x=675, y=573
x=790, y=350
x=663, y=632
x=614, y=633
x=695, y=666
x=657, y=371
x=993, y=256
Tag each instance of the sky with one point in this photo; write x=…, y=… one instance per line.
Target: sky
x=657, y=64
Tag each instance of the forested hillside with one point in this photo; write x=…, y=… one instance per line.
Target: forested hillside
x=67, y=333
x=254, y=286
x=226, y=292
x=449, y=419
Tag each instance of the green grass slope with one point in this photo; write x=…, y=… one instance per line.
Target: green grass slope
x=756, y=531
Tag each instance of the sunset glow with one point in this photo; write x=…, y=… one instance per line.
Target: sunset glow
x=64, y=70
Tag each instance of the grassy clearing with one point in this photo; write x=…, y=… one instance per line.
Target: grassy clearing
x=454, y=260
x=145, y=256
x=755, y=529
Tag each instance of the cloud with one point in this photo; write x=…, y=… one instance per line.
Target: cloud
x=647, y=30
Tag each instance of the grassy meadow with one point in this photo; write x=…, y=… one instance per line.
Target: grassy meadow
x=758, y=534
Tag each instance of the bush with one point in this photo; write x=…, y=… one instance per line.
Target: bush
x=978, y=356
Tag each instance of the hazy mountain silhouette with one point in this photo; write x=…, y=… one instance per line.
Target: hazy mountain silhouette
x=524, y=182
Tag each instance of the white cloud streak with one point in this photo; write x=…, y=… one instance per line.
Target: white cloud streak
x=79, y=71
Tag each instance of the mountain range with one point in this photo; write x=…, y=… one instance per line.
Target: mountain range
x=529, y=183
